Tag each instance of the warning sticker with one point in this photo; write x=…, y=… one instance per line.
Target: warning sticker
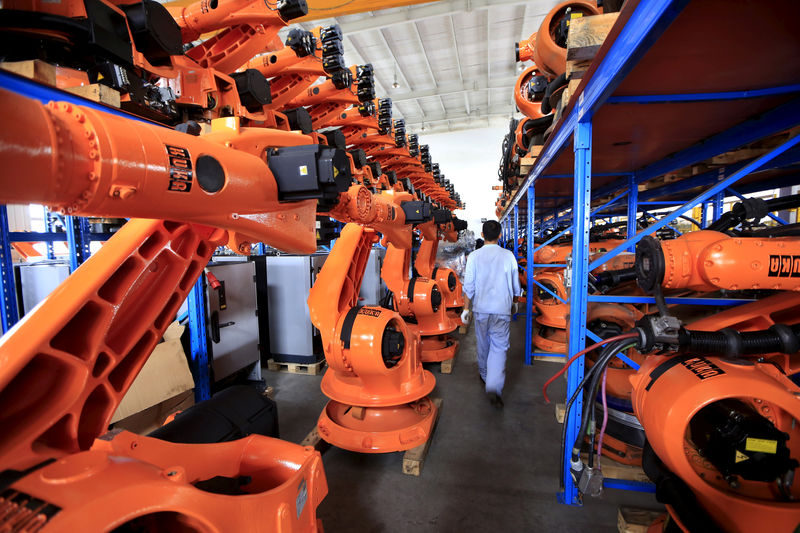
x=761, y=445
x=303, y=170
x=740, y=457
x=302, y=496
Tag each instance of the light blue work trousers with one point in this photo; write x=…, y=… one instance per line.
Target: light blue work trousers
x=491, y=334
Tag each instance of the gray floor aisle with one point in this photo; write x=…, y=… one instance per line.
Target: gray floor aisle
x=486, y=470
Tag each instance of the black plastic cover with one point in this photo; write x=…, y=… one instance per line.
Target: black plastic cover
x=442, y=216
x=417, y=212
x=155, y=32
x=359, y=157
x=300, y=119
x=253, y=88
x=310, y=172
x=301, y=41
x=231, y=414
x=336, y=139
x=292, y=9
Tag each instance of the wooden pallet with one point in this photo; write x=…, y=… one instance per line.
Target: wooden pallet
x=97, y=93
x=414, y=459
x=614, y=470
x=312, y=369
x=550, y=358
x=314, y=440
x=630, y=520
x=447, y=365
x=585, y=37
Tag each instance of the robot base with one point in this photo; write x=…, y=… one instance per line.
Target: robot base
x=377, y=429
x=438, y=348
x=551, y=340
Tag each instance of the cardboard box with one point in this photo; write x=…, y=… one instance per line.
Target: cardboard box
x=164, y=376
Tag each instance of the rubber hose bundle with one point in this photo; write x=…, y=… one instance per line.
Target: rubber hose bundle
x=779, y=338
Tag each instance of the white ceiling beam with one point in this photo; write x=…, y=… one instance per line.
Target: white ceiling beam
x=437, y=9
x=398, y=68
x=455, y=43
x=457, y=88
x=424, y=53
x=351, y=46
x=433, y=119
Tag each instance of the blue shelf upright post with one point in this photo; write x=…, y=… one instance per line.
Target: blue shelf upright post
x=48, y=228
x=633, y=208
x=516, y=232
x=530, y=244
x=198, y=341
x=77, y=241
x=9, y=313
x=578, y=293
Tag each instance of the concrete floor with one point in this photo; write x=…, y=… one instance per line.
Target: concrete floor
x=486, y=469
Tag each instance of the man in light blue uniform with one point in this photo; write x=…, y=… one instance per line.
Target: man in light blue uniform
x=491, y=284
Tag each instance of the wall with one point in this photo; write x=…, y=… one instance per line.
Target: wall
x=470, y=159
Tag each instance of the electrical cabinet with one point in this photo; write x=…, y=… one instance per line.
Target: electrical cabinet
x=232, y=317
x=292, y=337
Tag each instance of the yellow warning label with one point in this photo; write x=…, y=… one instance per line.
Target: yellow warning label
x=761, y=445
x=740, y=457
x=304, y=170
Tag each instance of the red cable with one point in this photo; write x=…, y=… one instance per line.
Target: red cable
x=586, y=350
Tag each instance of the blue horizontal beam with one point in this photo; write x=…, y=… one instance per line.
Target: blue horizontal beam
x=549, y=265
x=624, y=484
x=703, y=97
x=45, y=93
x=669, y=300
x=773, y=121
x=702, y=197
x=31, y=236
x=619, y=355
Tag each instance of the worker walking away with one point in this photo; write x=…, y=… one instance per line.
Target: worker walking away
x=491, y=285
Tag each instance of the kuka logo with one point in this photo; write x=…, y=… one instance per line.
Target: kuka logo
x=784, y=266
x=374, y=313
x=702, y=367
x=180, y=169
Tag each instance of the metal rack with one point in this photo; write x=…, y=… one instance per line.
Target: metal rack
x=621, y=96
x=78, y=238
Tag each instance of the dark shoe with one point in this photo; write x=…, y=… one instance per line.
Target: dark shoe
x=495, y=400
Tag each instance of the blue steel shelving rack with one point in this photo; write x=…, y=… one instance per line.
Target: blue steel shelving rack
x=78, y=237
x=646, y=24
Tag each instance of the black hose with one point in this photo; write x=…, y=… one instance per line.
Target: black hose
x=779, y=338
x=612, y=278
x=753, y=209
x=786, y=230
x=594, y=386
x=552, y=87
x=601, y=362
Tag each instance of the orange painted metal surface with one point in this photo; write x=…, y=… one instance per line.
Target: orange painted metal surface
x=547, y=54
x=665, y=404
x=708, y=260
x=120, y=168
x=372, y=380
x=152, y=485
x=524, y=100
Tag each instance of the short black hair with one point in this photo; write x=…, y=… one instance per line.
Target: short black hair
x=478, y=243
x=491, y=230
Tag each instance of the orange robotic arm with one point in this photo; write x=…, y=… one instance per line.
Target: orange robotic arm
x=709, y=260
x=246, y=180
x=722, y=429
x=376, y=382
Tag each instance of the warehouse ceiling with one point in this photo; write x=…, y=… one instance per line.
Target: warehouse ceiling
x=447, y=65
